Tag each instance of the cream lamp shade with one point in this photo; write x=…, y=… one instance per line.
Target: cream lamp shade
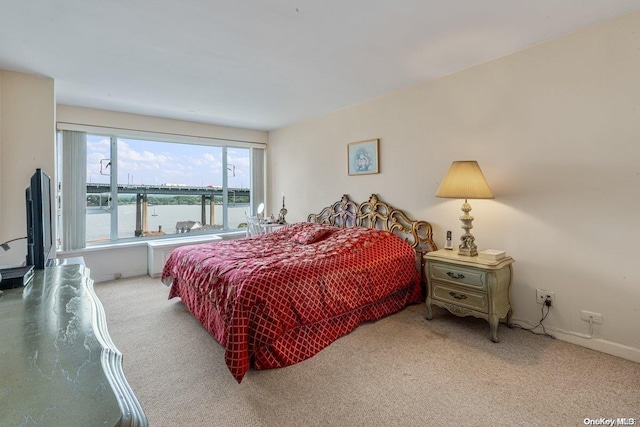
x=465, y=180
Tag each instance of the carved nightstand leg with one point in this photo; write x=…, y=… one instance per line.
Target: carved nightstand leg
x=509, y=314
x=429, y=312
x=493, y=327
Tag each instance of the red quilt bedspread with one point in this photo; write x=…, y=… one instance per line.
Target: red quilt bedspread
x=277, y=299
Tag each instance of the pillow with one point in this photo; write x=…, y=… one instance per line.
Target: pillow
x=310, y=235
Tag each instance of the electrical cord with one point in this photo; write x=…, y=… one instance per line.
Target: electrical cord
x=6, y=246
x=547, y=303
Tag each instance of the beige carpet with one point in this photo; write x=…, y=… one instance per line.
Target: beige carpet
x=400, y=371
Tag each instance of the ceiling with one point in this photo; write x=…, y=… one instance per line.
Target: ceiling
x=265, y=64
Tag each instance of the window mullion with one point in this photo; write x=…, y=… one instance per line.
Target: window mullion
x=225, y=189
x=113, y=182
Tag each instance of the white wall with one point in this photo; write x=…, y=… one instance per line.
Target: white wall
x=555, y=129
x=114, y=262
x=27, y=142
x=113, y=119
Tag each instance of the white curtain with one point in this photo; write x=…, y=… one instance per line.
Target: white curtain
x=74, y=189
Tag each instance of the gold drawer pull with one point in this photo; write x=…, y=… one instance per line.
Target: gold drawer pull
x=457, y=295
x=454, y=275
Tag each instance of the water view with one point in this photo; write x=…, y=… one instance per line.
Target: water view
x=165, y=216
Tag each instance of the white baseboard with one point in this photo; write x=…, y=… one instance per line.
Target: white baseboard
x=109, y=277
x=600, y=344
x=594, y=343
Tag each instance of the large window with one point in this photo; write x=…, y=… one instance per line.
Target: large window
x=137, y=188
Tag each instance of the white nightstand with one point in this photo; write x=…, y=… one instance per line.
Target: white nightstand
x=469, y=286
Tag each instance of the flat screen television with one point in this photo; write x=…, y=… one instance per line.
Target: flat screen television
x=39, y=225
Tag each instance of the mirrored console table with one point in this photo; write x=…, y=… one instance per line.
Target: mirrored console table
x=58, y=365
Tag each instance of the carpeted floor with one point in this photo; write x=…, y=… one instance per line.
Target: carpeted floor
x=400, y=371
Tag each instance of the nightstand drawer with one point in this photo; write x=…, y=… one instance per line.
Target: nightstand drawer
x=460, y=296
x=459, y=275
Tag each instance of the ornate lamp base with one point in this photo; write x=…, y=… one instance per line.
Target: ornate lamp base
x=467, y=252
x=467, y=241
x=283, y=212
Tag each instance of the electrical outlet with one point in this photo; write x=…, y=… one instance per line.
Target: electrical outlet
x=542, y=295
x=588, y=315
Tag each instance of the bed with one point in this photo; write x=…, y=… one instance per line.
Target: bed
x=276, y=299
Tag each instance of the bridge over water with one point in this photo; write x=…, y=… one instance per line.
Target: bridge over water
x=207, y=196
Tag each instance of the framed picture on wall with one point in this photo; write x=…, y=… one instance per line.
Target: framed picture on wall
x=363, y=158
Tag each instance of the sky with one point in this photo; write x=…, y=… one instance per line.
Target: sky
x=156, y=163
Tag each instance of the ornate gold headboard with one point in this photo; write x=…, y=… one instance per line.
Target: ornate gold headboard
x=377, y=214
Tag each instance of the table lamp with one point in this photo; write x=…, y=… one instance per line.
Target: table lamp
x=465, y=180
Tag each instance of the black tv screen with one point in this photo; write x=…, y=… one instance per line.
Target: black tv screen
x=39, y=225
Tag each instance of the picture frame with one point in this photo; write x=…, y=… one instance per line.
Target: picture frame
x=363, y=157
